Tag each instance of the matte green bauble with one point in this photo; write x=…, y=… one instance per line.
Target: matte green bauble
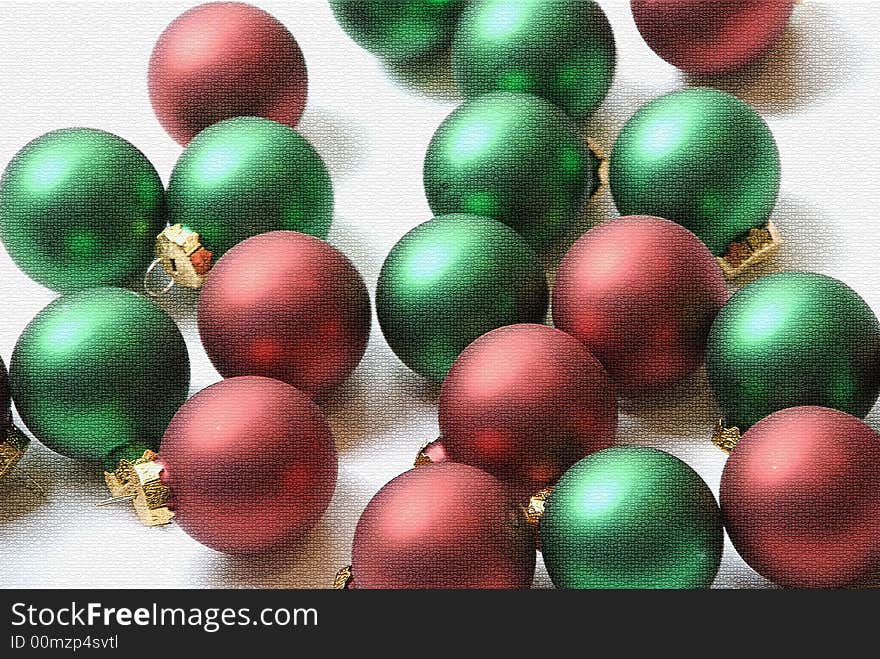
x=80, y=207
x=98, y=374
x=399, y=29
x=561, y=50
x=701, y=158
x=631, y=517
x=792, y=339
x=451, y=280
x=512, y=157
x=246, y=176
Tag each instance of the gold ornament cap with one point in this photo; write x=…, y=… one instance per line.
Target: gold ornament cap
x=759, y=245
x=725, y=438
x=343, y=579
x=13, y=444
x=182, y=256
x=140, y=481
x=534, y=511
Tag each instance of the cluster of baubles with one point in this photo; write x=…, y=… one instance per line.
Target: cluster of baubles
x=562, y=51
x=528, y=413
x=793, y=360
x=638, y=304
x=103, y=374
x=515, y=154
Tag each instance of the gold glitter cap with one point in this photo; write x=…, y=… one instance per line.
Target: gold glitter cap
x=13, y=444
x=182, y=256
x=759, y=245
x=140, y=480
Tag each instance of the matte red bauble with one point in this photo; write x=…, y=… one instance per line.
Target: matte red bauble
x=525, y=402
x=641, y=294
x=711, y=36
x=443, y=526
x=287, y=306
x=800, y=498
x=222, y=60
x=251, y=465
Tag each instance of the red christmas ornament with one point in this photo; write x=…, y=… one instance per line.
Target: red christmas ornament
x=251, y=465
x=524, y=403
x=444, y=525
x=708, y=37
x=287, y=306
x=800, y=498
x=222, y=60
x=641, y=294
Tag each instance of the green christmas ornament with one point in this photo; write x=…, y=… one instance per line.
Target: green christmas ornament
x=236, y=179
x=701, y=158
x=512, y=157
x=631, y=517
x=399, y=29
x=451, y=280
x=561, y=50
x=791, y=339
x=98, y=374
x=79, y=208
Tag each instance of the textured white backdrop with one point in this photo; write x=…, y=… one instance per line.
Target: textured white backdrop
x=84, y=64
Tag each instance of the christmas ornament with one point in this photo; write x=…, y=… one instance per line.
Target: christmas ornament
x=247, y=465
x=287, y=306
x=790, y=339
x=443, y=526
x=225, y=59
x=97, y=374
x=800, y=496
x=524, y=403
x=561, y=50
x=514, y=158
x=631, y=517
x=704, y=159
x=641, y=294
x=399, y=29
x=239, y=178
x=13, y=442
x=708, y=38
x=79, y=208
x=450, y=280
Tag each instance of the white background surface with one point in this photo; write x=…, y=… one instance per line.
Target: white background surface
x=84, y=64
